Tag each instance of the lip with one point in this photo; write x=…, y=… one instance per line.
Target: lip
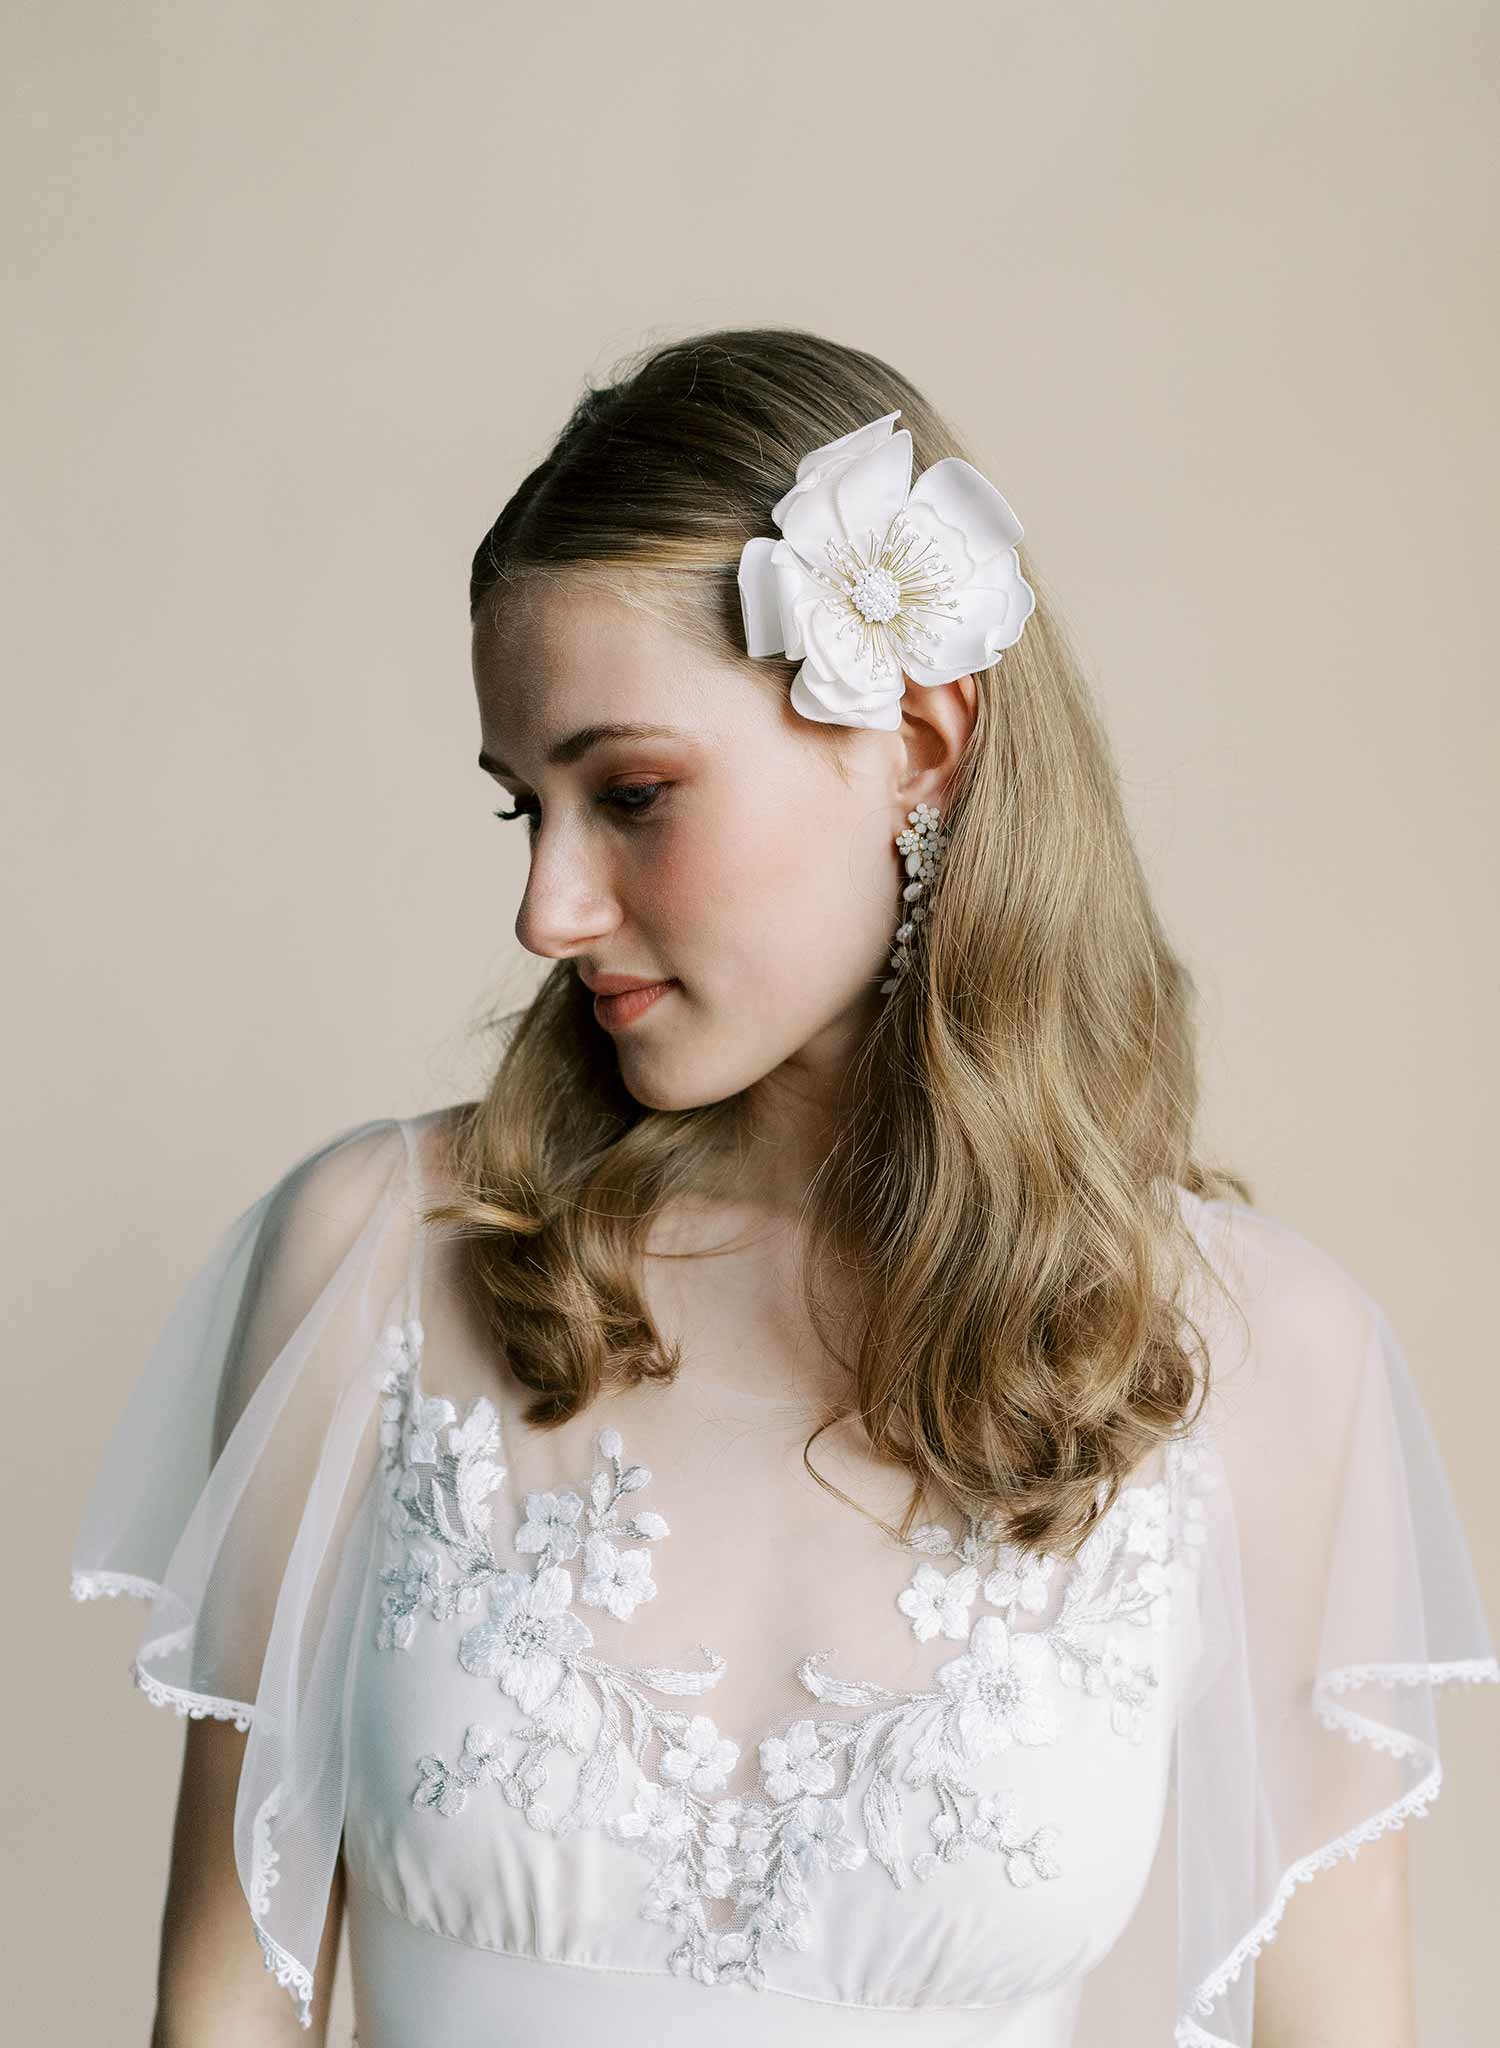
x=633, y=1000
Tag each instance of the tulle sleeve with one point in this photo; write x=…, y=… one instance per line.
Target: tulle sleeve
x=234, y=1496
x=1334, y=1596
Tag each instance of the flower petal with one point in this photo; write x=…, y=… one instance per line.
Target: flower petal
x=963, y=514
x=552, y=1590
x=992, y=620
x=813, y=696
x=846, y=504
x=759, y=612
x=569, y=1633
x=837, y=658
x=796, y=586
x=819, y=460
x=480, y=1649
x=979, y=1731
x=530, y=1679
x=990, y=1640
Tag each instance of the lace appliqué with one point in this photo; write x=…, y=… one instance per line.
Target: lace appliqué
x=756, y=1854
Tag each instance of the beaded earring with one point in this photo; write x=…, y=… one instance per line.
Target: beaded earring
x=925, y=846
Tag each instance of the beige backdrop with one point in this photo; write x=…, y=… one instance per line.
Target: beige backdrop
x=305, y=288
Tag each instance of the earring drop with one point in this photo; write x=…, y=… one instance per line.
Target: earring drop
x=924, y=845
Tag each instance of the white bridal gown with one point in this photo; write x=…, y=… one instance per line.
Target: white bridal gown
x=629, y=1730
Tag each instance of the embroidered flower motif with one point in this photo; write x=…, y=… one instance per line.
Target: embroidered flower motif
x=817, y=1836
x=1155, y=1590
x=997, y=1687
x=1128, y=1688
x=744, y=1826
x=737, y=1837
x=792, y=1763
x=703, y=1759
x=448, y=1790
x=551, y=1525
x=428, y=1417
x=530, y=1632
x=1144, y=1510
x=658, y=1819
x=939, y=1601
x=875, y=578
x=397, y=1350
x=1021, y=1576
x=413, y=1584
x=616, y=1579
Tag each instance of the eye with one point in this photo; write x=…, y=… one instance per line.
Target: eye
x=629, y=798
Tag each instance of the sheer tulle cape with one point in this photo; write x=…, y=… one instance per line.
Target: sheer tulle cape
x=235, y=1498
x=1337, y=1597
x=1334, y=1593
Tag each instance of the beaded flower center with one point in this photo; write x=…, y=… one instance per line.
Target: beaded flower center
x=889, y=592
x=877, y=595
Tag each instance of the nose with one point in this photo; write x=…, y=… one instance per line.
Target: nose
x=569, y=902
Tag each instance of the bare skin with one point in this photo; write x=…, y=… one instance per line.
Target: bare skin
x=212, y=1982
x=1340, y=1968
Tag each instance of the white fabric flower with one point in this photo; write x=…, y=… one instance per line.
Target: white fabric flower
x=876, y=579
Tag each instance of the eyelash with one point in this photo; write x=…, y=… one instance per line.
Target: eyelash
x=652, y=791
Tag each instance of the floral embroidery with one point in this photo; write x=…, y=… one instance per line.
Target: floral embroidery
x=997, y=1689
x=757, y=1855
x=940, y=1600
x=996, y=1825
x=531, y=1633
x=999, y=1683
x=791, y=1763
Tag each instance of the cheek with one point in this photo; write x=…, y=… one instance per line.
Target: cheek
x=809, y=898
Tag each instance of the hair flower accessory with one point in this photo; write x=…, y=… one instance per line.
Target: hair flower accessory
x=875, y=578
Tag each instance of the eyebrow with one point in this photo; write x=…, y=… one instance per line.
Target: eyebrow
x=562, y=753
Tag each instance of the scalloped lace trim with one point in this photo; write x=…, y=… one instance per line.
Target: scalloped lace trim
x=263, y=1874
x=198, y=1706
x=1412, y=1804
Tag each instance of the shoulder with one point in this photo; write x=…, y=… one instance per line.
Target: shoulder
x=430, y=1138
x=345, y=1171
x=329, y=1191
x=1275, y=1295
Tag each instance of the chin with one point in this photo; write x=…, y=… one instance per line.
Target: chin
x=663, y=1091
x=666, y=1077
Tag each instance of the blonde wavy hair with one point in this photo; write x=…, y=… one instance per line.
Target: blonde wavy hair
x=1013, y=1130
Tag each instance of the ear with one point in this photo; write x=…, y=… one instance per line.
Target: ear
x=937, y=720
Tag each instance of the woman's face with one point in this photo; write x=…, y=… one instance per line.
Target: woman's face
x=717, y=847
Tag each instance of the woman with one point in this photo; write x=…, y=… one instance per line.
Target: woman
x=768, y=1509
